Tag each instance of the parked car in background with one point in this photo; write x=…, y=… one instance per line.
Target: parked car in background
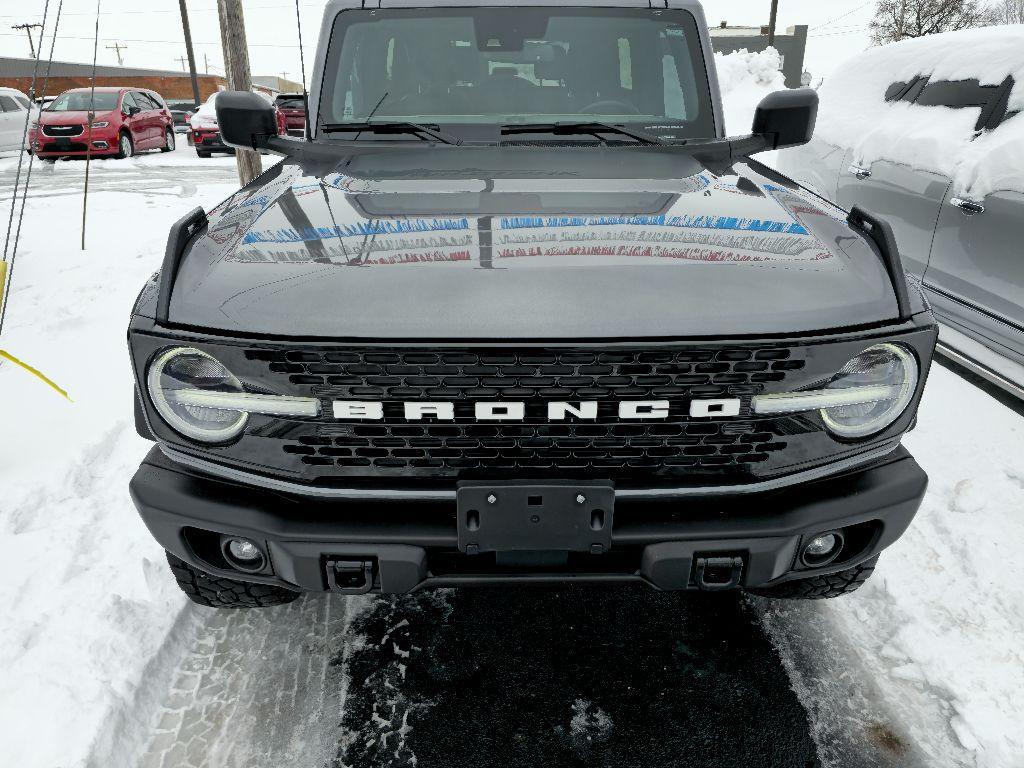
x=14, y=109
x=293, y=107
x=125, y=121
x=205, y=133
x=181, y=112
x=929, y=134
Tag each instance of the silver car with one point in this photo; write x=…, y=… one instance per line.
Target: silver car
x=928, y=134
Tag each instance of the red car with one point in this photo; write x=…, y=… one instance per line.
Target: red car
x=125, y=121
x=293, y=107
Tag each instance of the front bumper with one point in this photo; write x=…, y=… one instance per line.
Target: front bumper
x=410, y=544
x=76, y=146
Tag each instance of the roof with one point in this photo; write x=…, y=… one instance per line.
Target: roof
x=12, y=67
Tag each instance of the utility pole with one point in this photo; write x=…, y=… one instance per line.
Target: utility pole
x=183, y=61
x=772, y=22
x=188, y=50
x=118, y=48
x=28, y=31
x=206, y=62
x=236, y=64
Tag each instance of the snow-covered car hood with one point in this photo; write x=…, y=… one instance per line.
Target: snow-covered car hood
x=461, y=243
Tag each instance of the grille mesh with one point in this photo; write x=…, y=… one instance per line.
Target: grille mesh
x=612, y=446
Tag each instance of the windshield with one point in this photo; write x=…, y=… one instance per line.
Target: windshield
x=79, y=101
x=499, y=66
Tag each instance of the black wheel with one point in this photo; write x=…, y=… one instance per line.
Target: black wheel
x=168, y=141
x=822, y=587
x=125, y=146
x=217, y=592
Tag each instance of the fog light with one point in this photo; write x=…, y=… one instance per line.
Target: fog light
x=819, y=546
x=822, y=549
x=244, y=554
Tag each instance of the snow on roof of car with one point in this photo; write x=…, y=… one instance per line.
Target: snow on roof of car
x=854, y=112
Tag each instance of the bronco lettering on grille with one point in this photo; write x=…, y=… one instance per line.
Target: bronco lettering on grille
x=505, y=410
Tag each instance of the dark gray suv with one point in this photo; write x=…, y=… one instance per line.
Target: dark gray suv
x=519, y=310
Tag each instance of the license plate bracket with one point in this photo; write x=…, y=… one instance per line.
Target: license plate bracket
x=535, y=516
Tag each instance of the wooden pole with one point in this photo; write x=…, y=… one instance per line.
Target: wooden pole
x=236, y=62
x=772, y=22
x=189, y=52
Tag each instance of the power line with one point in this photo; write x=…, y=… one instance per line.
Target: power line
x=839, y=18
x=159, y=42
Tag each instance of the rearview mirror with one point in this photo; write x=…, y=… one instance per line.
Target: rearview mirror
x=246, y=120
x=787, y=118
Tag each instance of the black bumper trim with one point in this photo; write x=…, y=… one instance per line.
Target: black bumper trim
x=667, y=534
x=233, y=474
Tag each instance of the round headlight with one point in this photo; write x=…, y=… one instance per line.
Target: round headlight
x=883, y=378
x=175, y=375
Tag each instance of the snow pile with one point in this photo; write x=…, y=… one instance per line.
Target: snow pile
x=937, y=629
x=88, y=599
x=746, y=78
x=934, y=138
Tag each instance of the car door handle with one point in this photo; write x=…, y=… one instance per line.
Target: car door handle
x=969, y=207
x=860, y=171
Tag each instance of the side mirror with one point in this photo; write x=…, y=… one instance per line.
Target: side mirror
x=787, y=118
x=133, y=111
x=246, y=120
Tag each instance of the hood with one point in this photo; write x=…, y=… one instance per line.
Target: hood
x=528, y=243
x=70, y=117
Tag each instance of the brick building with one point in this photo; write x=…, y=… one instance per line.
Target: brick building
x=171, y=84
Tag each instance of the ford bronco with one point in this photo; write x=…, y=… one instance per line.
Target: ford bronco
x=518, y=309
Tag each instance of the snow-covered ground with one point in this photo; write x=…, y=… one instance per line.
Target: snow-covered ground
x=927, y=655
x=87, y=599
x=931, y=645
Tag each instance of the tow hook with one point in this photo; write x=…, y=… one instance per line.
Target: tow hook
x=718, y=573
x=350, y=577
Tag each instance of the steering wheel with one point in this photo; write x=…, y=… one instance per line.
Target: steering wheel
x=611, y=107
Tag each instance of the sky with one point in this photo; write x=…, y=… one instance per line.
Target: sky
x=151, y=30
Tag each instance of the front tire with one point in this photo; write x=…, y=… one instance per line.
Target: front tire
x=125, y=146
x=168, y=141
x=217, y=592
x=822, y=587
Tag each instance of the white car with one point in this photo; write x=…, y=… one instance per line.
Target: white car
x=929, y=135
x=14, y=106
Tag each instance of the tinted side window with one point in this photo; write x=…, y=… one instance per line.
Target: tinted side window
x=7, y=104
x=957, y=94
x=23, y=101
x=129, y=101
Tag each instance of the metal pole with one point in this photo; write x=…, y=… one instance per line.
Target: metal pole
x=188, y=51
x=236, y=62
x=772, y=22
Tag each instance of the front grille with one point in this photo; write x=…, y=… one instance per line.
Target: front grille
x=63, y=130
x=607, y=446
x=69, y=147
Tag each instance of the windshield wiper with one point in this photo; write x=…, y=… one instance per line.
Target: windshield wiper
x=424, y=132
x=575, y=129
